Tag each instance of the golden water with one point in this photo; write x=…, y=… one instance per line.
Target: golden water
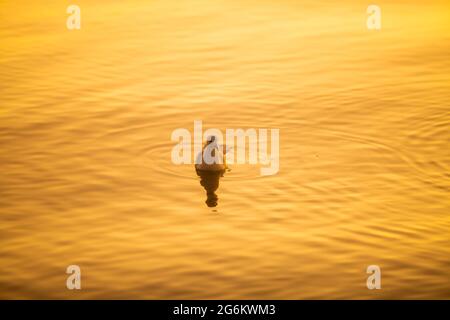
x=86, y=176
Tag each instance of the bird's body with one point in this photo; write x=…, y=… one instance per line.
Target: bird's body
x=213, y=149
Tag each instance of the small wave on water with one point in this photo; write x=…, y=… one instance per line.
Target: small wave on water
x=422, y=151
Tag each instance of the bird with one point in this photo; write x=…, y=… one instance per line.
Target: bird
x=218, y=159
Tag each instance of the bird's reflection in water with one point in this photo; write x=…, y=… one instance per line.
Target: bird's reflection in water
x=210, y=181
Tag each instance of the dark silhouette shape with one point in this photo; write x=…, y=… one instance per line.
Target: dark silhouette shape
x=210, y=181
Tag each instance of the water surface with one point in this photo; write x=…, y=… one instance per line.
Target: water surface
x=86, y=175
